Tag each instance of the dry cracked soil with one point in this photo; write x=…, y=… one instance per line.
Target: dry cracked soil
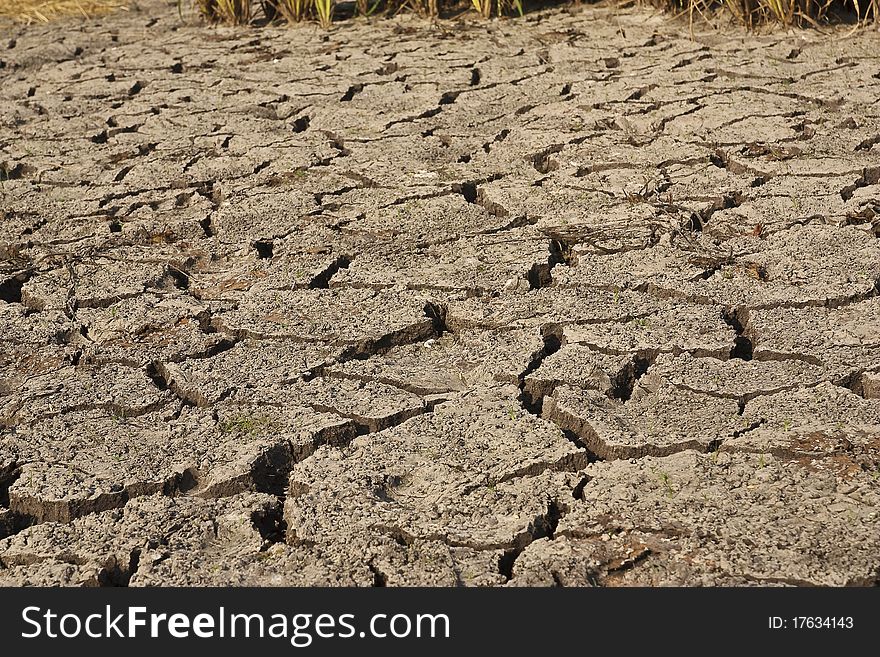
x=577, y=299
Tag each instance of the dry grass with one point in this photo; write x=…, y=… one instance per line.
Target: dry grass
x=748, y=12
x=761, y=12
x=232, y=12
x=293, y=11
x=42, y=11
x=751, y=13
x=485, y=7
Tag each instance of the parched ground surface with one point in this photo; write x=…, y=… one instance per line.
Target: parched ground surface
x=571, y=300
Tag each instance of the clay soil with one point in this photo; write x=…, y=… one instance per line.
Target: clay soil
x=577, y=299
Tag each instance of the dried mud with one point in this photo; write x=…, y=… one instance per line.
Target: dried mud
x=570, y=300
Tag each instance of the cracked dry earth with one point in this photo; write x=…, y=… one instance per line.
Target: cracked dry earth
x=568, y=300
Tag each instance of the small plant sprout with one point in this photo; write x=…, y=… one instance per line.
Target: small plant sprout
x=243, y=424
x=664, y=477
